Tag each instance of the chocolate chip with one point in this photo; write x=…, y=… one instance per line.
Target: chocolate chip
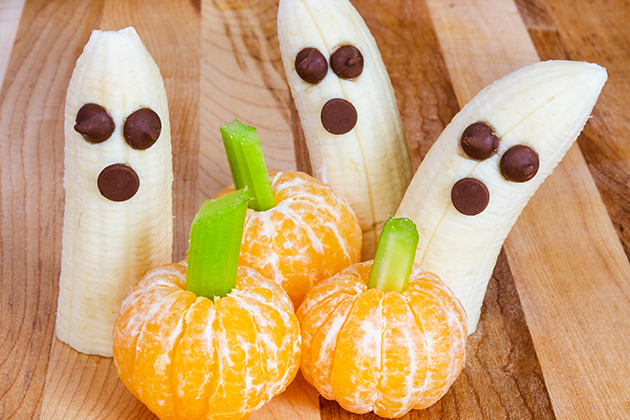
x=94, y=123
x=142, y=128
x=338, y=116
x=347, y=62
x=479, y=141
x=470, y=196
x=118, y=182
x=311, y=65
x=519, y=163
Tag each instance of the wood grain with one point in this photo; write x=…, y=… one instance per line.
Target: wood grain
x=31, y=192
x=10, y=13
x=85, y=387
x=602, y=146
x=568, y=301
x=576, y=297
x=537, y=354
x=242, y=77
x=80, y=387
x=603, y=140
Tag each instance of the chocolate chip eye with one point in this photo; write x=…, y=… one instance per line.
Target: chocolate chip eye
x=118, y=182
x=311, y=65
x=142, y=128
x=338, y=116
x=519, y=163
x=347, y=62
x=94, y=123
x=470, y=196
x=479, y=141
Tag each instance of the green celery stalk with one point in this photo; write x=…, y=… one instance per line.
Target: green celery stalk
x=247, y=163
x=394, y=257
x=215, y=244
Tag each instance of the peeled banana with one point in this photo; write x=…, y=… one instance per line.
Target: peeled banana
x=347, y=108
x=118, y=177
x=487, y=163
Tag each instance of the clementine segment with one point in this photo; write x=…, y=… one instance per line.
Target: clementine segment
x=386, y=352
x=143, y=301
x=404, y=371
x=433, y=310
x=240, y=386
x=187, y=357
x=197, y=359
x=311, y=234
x=153, y=372
x=357, y=364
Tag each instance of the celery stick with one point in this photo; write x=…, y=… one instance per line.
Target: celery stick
x=215, y=244
x=247, y=164
x=394, y=257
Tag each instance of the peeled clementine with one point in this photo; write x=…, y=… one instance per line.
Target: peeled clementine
x=386, y=352
x=310, y=235
x=187, y=357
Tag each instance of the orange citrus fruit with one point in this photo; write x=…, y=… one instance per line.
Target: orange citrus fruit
x=187, y=357
x=311, y=234
x=384, y=352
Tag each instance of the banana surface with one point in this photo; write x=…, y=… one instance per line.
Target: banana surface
x=544, y=107
x=369, y=164
x=118, y=177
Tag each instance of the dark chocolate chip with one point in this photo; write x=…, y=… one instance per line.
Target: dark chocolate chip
x=479, y=141
x=142, y=128
x=519, y=163
x=118, y=182
x=347, y=62
x=470, y=196
x=94, y=123
x=338, y=116
x=311, y=65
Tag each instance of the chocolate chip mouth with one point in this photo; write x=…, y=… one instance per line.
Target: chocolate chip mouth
x=338, y=116
x=470, y=196
x=118, y=182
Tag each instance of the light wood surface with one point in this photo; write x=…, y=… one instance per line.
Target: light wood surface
x=567, y=262
x=553, y=337
x=10, y=12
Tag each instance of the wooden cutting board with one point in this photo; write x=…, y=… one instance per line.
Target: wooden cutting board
x=553, y=337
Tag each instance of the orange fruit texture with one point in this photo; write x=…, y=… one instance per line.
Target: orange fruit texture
x=383, y=352
x=311, y=234
x=187, y=357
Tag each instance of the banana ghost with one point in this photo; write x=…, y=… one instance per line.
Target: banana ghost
x=118, y=179
x=349, y=115
x=487, y=163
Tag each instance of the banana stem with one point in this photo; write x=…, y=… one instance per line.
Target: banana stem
x=247, y=163
x=394, y=257
x=215, y=244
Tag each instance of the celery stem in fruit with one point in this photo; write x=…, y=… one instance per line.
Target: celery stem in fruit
x=247, y=163
x=215, y=245
x=394, y=257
